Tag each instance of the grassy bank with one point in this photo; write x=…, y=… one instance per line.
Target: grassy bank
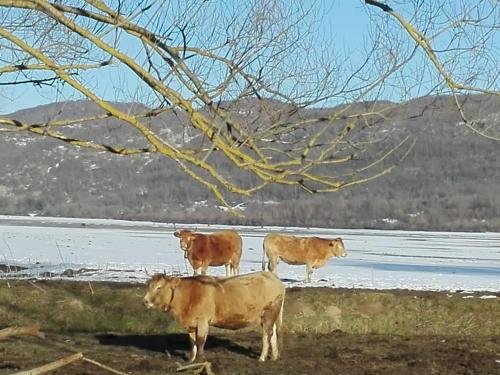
x=109, y=307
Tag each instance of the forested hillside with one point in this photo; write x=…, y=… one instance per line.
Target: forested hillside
x=449, y=181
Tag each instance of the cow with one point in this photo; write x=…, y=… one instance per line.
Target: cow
x=314, y=252
x=216, y=249
x=198, y=302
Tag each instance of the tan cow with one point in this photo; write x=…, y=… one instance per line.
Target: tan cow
x=216, y=249
x=198, y=302
x=314, y=252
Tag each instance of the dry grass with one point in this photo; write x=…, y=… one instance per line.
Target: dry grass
x=111, y=307
x=390, y=312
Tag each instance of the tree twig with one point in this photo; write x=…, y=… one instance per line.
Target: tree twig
x=98, y=364
x=33, y=330
x=197, y=368
x=52, y=365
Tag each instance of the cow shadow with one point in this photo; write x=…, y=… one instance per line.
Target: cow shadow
x=175, y=344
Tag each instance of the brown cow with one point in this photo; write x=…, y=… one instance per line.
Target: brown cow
x=314, y=252
x=198, y=302
x=216, y=249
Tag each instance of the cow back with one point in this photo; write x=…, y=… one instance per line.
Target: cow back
x=232, y=303
x=297, y=250
x=217, y=248
x=241, y=299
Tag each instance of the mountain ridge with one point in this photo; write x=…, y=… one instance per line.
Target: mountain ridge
x=449, y=181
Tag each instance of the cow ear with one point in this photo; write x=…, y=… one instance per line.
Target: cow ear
x=177, y=234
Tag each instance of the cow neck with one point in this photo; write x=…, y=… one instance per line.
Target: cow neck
x=172, y=288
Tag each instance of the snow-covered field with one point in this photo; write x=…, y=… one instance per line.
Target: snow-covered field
x=115, y=250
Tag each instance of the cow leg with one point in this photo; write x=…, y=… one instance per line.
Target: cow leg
x=269, y=336
x=274, y=344
x=309, y=271
x=195, y=271
x=228, y=269
x=192, y=341
x=201, y=337
x=234, y=270
x=273, y=263
x=265, y=345
x=204, y=270
x=275, y=316
x=235, y=265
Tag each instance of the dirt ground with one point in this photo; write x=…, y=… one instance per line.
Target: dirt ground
x=335, y=353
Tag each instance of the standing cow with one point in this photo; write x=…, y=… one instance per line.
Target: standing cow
x=198, y=302
x=216, y=249
x=314, y=252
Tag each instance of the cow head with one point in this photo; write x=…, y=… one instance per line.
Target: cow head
x=187, y=238
x=337, y=248
x=160, y=292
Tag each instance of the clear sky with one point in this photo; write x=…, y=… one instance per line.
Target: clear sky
x=344, y=22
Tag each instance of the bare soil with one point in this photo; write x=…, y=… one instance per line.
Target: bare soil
x=334, y=353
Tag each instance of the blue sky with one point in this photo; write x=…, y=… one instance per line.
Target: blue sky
x=345, y=18
x=344, y=22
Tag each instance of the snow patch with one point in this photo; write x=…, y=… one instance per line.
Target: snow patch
x=118, y=250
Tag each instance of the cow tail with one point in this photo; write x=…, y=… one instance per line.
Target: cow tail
x=279, y=323
x=264, y=255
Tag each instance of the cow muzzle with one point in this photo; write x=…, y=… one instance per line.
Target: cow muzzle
x=147, y=303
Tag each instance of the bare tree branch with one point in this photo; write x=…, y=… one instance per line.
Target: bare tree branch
x=249, y=82
x=424, y=42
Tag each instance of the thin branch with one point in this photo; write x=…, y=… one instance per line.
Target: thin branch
x=197, y=368
x=426, y=46
x=36, y=82
x=22, y=67
x=105, y=367
x=52, y=365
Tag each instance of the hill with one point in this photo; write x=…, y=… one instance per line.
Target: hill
x=449, y=181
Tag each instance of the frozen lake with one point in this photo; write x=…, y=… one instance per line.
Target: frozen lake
x=113, y=250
